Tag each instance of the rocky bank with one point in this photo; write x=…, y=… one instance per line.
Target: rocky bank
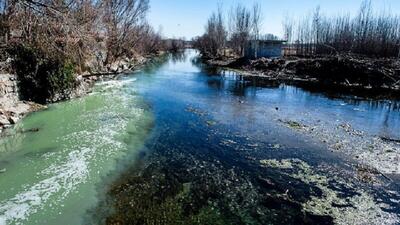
x=12, y=108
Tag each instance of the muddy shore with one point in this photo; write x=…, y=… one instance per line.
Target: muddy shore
x=369, y=77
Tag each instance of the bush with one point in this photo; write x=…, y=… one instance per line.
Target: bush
x=41, y=78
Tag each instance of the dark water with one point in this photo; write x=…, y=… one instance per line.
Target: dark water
x=217, y=154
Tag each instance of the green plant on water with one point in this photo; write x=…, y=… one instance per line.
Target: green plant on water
x=41, y=76
x=294, y=124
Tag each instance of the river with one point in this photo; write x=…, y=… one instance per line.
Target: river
x=62, y=165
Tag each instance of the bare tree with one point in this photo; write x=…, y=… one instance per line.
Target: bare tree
x=215, y=36
x=151, y=41
x=256, y=20
x=123, y=19
x=240, y=26
x=367, y=33
x=244, y=25
x=90, y=34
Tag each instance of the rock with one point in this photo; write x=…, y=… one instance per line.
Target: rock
x=13, y=119
x=36, y=107
x=4, y=120
x=114, y=67
x=124, y=65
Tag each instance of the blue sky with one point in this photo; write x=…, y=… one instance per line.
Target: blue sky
x=186, y=18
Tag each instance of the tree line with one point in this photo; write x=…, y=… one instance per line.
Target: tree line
x=52, y=40
x=78, y=28
x=367, y=33
x=243, y=24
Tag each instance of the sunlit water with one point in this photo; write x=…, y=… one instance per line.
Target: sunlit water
x=52, y=175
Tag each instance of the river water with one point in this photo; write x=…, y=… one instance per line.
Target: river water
x=56, y=163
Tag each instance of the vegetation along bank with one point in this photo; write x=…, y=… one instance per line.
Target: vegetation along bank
x=53, y=51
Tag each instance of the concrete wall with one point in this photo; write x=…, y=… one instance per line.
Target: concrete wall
x=263, y=49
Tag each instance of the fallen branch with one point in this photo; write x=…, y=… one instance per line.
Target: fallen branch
x=115, y=73
x=390, y=139
x=100, y=74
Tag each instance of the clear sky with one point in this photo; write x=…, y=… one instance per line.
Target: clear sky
x=186, y=18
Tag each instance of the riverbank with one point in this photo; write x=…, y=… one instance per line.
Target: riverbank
x=12, y=108
x=369, y=77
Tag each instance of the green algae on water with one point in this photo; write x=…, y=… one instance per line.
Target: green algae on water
x=359, y=209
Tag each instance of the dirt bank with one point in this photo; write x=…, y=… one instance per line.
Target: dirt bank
x=378, y=76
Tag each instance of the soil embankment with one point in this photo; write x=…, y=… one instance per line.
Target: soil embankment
x=378, y=76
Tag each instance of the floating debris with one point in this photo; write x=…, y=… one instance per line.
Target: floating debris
x=228, y=142
x=347, y=127
x=283, y=164
x=276, y=146
x=367, y=174
x=195, y=111
x=390, y=140
x=30, y=130
x=211, y=123
x=253, y=145
x=293, y=124
x=378, y=152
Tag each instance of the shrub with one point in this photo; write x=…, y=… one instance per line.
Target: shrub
x=41, y=78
